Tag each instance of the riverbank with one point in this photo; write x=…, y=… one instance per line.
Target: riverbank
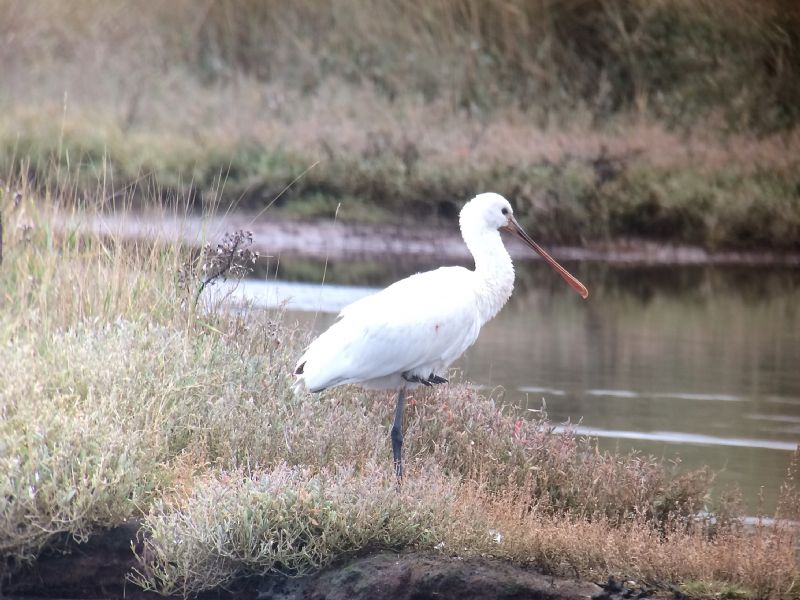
x=104, y=562
x=595, y=133
x=577, y=187
x=124, y=399
x=277, y=236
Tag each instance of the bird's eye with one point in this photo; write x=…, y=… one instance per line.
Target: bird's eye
x=504, y=211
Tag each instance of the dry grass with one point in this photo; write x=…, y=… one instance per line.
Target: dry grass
x=293, y=520
x=672, y=58
x=601, y=119
x=121, y=399
x=569, y=186
x=296, y=520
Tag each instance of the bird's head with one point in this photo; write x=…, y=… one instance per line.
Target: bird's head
x=492, y=212
x=487, y=211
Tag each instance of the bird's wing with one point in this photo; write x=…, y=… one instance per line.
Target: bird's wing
x=420, y=322
x=408, y=287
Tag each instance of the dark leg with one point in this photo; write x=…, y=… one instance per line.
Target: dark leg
x=397, y=433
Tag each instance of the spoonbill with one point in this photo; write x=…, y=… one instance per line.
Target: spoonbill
x=409, y=333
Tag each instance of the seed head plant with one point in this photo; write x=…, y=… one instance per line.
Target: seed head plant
x=232, y=258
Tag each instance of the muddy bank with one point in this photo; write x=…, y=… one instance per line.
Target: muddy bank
x=353, y=241
x=99, y=569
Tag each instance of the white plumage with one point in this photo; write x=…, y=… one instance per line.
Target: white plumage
x=409, y=333
x=418, y=326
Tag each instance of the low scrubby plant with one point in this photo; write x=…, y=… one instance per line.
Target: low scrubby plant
x=291, y=520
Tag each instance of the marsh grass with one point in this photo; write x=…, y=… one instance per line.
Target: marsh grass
x=601, y=119
x=680, y=61
x=739, y=201
x=122, y=399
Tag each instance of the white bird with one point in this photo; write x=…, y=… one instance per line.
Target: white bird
x=409, y=333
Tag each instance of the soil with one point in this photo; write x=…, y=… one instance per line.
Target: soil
x=340, y=240
x=98, y=569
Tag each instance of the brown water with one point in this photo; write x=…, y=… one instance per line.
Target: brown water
x=697, y=362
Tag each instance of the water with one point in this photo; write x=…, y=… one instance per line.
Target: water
x=697, y=362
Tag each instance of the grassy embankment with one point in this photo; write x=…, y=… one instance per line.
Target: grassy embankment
x=668, y=120
x=119, y=399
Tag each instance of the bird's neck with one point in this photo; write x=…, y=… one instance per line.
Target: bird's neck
x=494, y=272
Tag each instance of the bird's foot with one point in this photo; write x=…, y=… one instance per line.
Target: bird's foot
x=415, y=379
x=431, y=380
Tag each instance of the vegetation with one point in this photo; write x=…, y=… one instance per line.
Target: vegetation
x=127, y=392
x=682, y=61
x=601, y=119
x=126, y=399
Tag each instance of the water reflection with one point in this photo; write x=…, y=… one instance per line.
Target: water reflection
x=703, y=362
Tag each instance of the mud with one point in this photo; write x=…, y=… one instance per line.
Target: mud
x=99, y=569
x=339, y=240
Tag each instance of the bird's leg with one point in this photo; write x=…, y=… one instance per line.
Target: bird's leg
x=436, y=379
x=397, y=434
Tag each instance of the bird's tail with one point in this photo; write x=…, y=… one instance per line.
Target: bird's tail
x=299, y=376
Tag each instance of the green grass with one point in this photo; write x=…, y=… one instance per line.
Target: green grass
x=122, y=399
x=713, y=589
x=571, y=201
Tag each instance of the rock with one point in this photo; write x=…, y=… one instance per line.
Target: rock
x=414, y=576
x=615, y=590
